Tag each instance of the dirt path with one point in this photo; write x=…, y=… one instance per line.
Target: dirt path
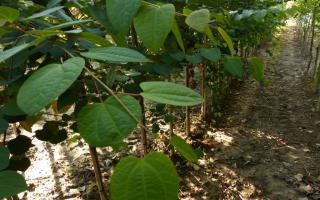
x=270, y=137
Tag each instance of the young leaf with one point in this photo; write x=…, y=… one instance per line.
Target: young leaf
x=234, y=66
x=227, y=39
x=4, y=157
x=170, y=93
x=256, y=68
x=11, y=183
x=47, y=83
x=11, y=52
x=212, y=54
x=45, y=12
x=115, y=55
x=8, y=14
x=108, y=123
x=199, y=20
x=184, y=148
x=153, y=25
x=153, y=177
x=121, y=13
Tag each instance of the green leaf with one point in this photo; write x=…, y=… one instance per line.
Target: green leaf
x=184, y=148
x=47, y=83
x=10, y=52
x=8, y=14
x=256, y=68
x=199, y=20
x=170, y=93
x=12, y=109
x=115, y=55
x=11, y=183
x=95, y=39
x=45, y=13
x=177, y=34
x=153, y=24
x=227, y=39
x=234, y=66
x=212, y=54
x=121, y=13
x=108, y=123
x=153, y=177
x=4, y=157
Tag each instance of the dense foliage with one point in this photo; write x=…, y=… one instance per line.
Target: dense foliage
x=93, y=63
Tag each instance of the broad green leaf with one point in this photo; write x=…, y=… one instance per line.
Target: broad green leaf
x=212, y=54
x=108, y=123
x=184, y=148
x=44, y=13
x=11, y=183
x=8, y=14
x=47, y=83
x=10, y=52
x=153, y=177
x=170, y=93
x=227, y=39
x=115, y=55
x=11, y=108
x=177, y=34
x=199, y=20
x=256, y=68
x=121, y=13
x=95, y=39
x=153, y=24
x=234, y=65
x=4, y=157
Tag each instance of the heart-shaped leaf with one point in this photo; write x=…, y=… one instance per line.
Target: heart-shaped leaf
x=199, y=20
x=121, y=13
x=4, y=157
x=11, y=183
x=153, y=177
x=115, y=55
x=153, y=24
x=47, y=83
x=234, y=66
x=184, y=148
x=170, y=93
x=108, y=123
